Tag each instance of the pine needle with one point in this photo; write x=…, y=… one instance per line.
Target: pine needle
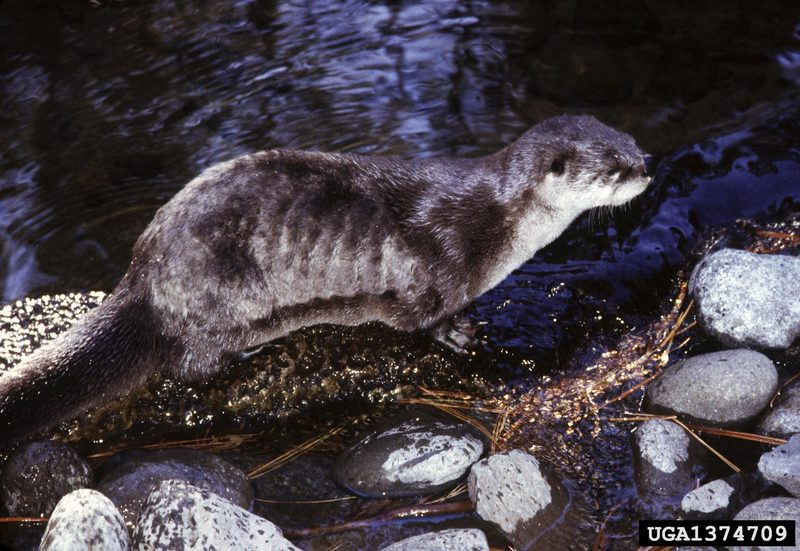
x=295, y=452
x=304, y=501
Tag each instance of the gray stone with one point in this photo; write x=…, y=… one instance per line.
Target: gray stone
x=85, y=519
x=130, y=482
x=782, y=465
x=415, y=457
x=722, y=498
x=773, y=508
x=661, y=462
x=38, y=474
x=464, y=539
x=708, y=498
x=783, y=420
x=178, y=515
x=747, y=299
x=512, y=491
x=727, y=388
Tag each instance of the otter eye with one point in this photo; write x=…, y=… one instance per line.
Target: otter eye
x=612, y=171
x=557, y=167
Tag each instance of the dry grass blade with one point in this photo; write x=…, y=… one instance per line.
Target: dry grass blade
x=659, y=353
x=499, y=427
x=297, y=451
x=224, y=442
x=674, y=419
x=457, y=491
x=421, y=512
x=778, y=235
x=11, y=520
x=304, y=501
x=708, y=446
x=788, y=382
x=630, y=391
x=634, y=417
x=467, y=419
x=449, y=403
x=761, y=439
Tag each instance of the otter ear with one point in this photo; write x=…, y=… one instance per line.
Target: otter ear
x=557, y=166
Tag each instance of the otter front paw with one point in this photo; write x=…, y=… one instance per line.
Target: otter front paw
x=456, y=333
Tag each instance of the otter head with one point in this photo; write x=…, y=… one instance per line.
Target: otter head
x=578, y=163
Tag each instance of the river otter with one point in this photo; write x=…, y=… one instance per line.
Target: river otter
x=270, y=242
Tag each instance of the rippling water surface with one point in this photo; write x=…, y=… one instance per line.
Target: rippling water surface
x=107, y=108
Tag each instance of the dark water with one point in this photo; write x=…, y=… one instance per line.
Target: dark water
x=107, y=108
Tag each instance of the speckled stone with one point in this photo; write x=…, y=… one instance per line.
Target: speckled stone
x=708, y=498
x=85, y=519
x=782, y=465
x=727, y=388
x=178, y=516
x=465, y=539
x=773, y=508
x=512, y=491
x=724, y=497
x=747, y=299
x=415, y=457
x=130, y=482
x=661, y=461
x=783, y=420
x=38, y=474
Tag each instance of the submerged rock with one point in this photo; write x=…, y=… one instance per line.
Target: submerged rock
x=783, y=419
x=662, y=462
x=782, y=465
x=38, y=474
x=178, y=515
x=747, y=299
x=726, y=388
x=129, y=484
x=465, y=539
x=85, y=519
x=512, y=491
x=302, y=493
x=773, y=508
x=418, y=456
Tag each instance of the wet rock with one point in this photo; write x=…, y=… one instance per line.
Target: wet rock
x=726, y=388
x=85, y=519
x=308, y=481
x=468, y=539
x=178, y=515
x=417, y=456
x=512, y=491
x=773, y=508
x=783, y=419
x=662, y=461
x=747, y=299
x=782, y=465
x=708, y=498
x=129, y=484
x=722, y=498
x=38, y=474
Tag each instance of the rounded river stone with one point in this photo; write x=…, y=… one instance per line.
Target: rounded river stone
x=416, y=457
x=726, y=388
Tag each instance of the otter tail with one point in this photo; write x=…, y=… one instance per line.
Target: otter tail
x=110, y=350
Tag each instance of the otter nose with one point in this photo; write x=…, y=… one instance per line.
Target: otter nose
x=649, y=165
